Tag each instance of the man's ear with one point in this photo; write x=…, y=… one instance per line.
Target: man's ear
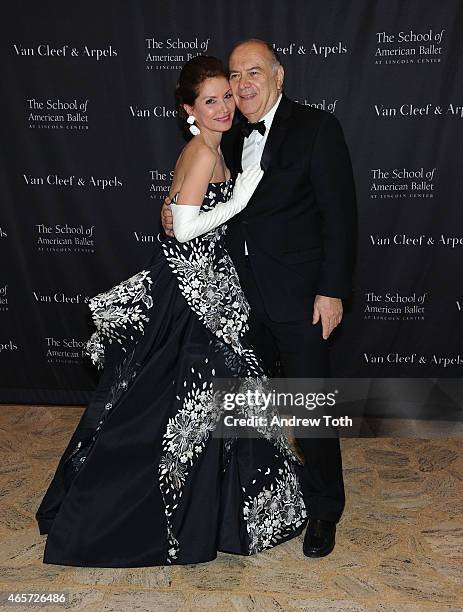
x=280, y=76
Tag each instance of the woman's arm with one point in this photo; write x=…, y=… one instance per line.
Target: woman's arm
x=188, y=223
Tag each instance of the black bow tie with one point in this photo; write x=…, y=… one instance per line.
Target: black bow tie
x=247, y=128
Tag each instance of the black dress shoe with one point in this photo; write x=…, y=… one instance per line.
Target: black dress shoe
x=319, y=538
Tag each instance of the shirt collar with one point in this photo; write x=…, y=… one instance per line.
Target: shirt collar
x=268, y=117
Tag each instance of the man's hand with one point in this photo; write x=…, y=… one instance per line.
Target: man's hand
x=329, y=310
x=166, y=217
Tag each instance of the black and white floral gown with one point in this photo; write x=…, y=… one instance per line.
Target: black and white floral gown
x=143, y=481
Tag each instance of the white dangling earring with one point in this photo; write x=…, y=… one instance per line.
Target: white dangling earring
x=193, y=128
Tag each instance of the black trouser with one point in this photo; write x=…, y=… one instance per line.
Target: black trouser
x=302, y=353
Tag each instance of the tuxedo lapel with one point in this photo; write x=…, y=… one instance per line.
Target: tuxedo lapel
x=237, y=152
x=277, y=132
x=274, y=140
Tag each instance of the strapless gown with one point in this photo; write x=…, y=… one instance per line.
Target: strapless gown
x=143, y=481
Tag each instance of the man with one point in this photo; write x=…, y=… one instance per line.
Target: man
x=293, y=247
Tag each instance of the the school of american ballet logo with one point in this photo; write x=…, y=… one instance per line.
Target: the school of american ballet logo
x=409, y=47
x=394, y=305
x=59, y=350
x=159, y=183
x=327, y=105
x=65, y=238
x=400, y=183
x=70, y=114
x=172, y=52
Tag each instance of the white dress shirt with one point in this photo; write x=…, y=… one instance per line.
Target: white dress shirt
x=253, y=145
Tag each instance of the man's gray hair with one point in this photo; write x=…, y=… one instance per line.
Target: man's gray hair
x=273, y=53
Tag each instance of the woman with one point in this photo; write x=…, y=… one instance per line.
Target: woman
x=143, y=481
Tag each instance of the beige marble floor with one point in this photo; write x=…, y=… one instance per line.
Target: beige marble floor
x=399, y=542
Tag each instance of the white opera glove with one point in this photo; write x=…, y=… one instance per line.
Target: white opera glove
x=189, y=223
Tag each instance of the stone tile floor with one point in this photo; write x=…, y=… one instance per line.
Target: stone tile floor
x=399, y=542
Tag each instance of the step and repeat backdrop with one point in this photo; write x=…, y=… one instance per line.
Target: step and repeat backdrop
x=91, y=137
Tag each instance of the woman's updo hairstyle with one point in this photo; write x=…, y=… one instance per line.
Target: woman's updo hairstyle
x=193, y=73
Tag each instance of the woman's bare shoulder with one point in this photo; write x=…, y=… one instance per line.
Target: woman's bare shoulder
x=197, y=152
x=194, y=157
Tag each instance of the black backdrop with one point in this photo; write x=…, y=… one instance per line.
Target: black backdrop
x=90, y=140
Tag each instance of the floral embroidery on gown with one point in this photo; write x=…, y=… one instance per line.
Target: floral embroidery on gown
x=143, y=481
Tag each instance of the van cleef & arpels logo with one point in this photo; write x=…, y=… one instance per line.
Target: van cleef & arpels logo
x=144, y=238
x=395, y=358
x=49, y=50
x=72, y=181
x=153, y=112
x=416, y=240
x=408, y=109
x=59, y=297
x=317, y=49
x=8, y=345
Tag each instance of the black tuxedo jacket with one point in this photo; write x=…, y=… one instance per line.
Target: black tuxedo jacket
x=300, y=225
